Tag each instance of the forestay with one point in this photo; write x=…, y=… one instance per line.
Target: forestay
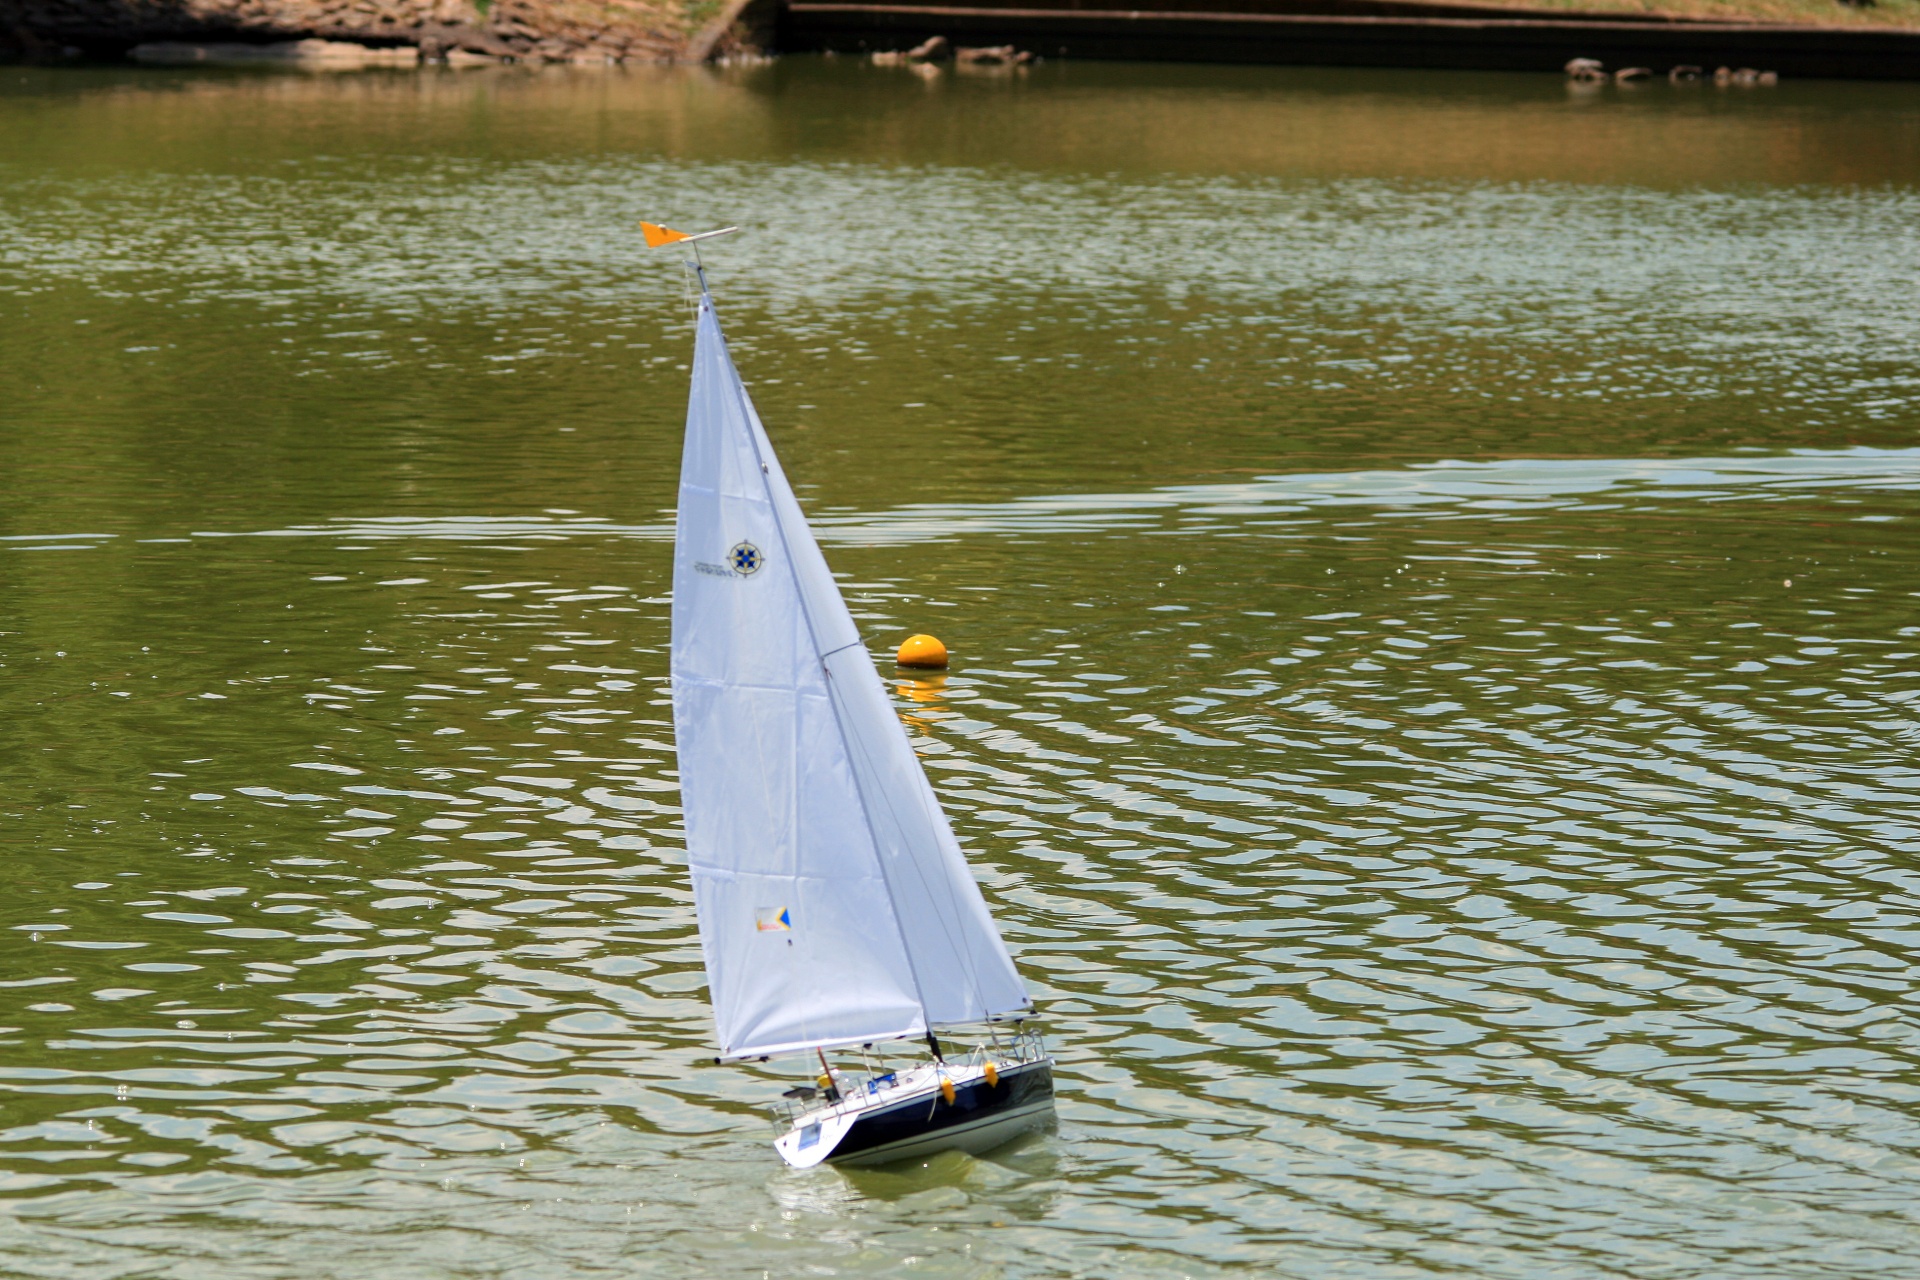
x=835, y=906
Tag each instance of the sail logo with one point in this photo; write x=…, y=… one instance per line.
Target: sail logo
x=743, y=561
x=773, y=920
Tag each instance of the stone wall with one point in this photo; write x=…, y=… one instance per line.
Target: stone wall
x=546, y=30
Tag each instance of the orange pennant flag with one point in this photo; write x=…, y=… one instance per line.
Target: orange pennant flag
x=658, y=235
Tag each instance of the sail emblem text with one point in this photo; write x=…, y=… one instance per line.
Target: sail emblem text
x=773, y=920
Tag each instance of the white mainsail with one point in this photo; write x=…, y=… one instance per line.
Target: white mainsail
x=835, y=906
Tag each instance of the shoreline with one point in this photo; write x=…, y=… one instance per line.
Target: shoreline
x=1357, y=33
x=546, y=31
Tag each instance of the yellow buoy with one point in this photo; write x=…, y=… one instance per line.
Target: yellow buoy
x=993, y=1076
x=946, y=1090
x=922, y=651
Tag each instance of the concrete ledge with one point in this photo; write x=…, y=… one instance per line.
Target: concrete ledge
x=1484, y=43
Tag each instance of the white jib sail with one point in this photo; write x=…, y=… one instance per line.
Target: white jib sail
x=835, y=906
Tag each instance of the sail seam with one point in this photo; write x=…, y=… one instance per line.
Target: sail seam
x=716, y=682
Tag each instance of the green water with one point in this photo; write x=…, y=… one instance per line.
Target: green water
x=1431, y=564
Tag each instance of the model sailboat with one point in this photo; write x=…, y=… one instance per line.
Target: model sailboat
x=836, y=910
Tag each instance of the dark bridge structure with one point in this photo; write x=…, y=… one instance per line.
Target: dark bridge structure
x=1358, y=33
x=1371, y=33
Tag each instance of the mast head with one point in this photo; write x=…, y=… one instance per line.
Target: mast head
x=659, y=236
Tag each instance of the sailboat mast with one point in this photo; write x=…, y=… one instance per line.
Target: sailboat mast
x=835, y=905
x=774, y=492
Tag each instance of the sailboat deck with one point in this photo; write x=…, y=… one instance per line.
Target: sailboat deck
x=880, y=1090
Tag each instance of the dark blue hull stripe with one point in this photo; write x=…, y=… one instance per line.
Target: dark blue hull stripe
x=1020, y=1089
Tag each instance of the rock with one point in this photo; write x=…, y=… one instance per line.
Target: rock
x=888, y=58
x=994, y=55
x=1769, y=77
x=310, y=53
x=1723, y=75
x=206, y=31
x=462, y=58
x=1632, y=73
x=932, y=49
x=1585, y=69
x=444, y=37
x=1683, y=74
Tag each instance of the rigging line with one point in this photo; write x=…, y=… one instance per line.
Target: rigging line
x=935, y=822
x=853, y=744
x=754, y=431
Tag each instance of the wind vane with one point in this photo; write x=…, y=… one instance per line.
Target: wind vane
x=658, y=235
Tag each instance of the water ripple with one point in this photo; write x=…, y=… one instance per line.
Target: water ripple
x=1437, y=848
